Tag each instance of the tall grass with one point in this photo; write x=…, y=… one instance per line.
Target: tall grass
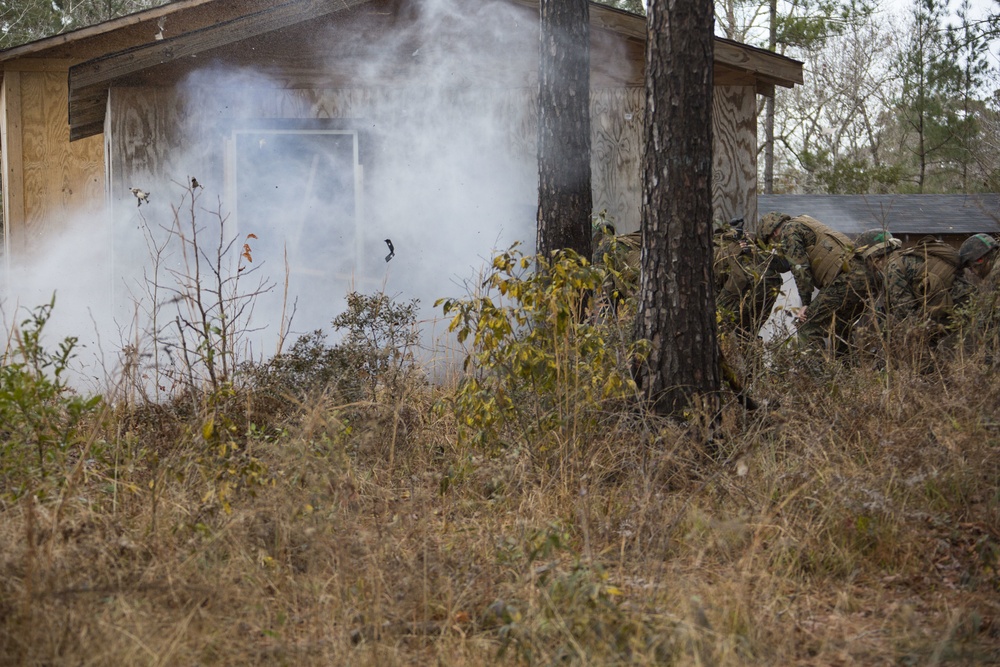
x=853, y=519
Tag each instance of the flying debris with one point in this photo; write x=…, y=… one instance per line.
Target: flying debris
x=140, y=196
x=195, y=184
x=392, y=250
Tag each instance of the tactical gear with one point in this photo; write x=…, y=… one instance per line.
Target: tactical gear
x=942, y=260
x=830, y=255
x=976, y=247
x=769, y=223
x=920, y=279
x=834, y=310
x=620, y=254
x=875, y=242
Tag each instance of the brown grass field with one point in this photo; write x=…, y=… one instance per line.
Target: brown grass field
x=853, y=520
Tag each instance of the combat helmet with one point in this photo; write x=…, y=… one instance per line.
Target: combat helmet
x=769, y=222
x=975, y=247
x=875, y=242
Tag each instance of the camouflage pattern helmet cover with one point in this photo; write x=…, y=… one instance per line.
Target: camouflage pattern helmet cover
x=875, y=242
x=975, y=247
x=770, y=222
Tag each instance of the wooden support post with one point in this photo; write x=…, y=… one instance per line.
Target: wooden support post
x=10, y=159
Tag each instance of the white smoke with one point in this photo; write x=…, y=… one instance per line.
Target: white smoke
x=422, y=136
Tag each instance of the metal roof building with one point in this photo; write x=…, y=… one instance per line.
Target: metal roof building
x=909, y=217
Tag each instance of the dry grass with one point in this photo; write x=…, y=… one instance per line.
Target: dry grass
x=856, y=521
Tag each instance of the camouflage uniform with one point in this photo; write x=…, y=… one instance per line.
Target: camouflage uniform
x=981, y=318
x=747, y=282
x=620, y=254
x=992, y=279
x=923, y=281
x=823, y=259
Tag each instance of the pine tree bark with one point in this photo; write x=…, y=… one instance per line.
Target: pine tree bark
x=565, y=200
x=676, y=295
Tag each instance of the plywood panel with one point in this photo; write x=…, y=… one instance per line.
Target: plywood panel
x=61, y=180
x=734, y=165
x=616, y=154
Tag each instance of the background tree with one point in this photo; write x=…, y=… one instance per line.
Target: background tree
x=967, y=41
x=676, y=295
x=790, y=24
x=830, y=130
x=931, y=77
x=565, y=199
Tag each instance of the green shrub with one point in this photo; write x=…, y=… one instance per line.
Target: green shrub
x=39, y=413
x=537, y=362
x=375, y=358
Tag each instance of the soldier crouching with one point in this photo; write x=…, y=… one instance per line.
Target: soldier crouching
x=820, y=258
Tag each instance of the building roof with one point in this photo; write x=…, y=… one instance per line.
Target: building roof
x=117, y=51
x=914, y=215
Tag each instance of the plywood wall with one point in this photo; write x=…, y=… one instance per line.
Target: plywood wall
x=734, y=163
x=616, y=117
x=153, y=131
x=49, y=179
x=617, y=122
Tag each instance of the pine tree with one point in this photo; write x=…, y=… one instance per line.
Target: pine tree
x=676, y=295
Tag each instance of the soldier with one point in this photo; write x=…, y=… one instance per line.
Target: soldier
x=820, y=258
x=922, y=281
x=747, y=280
x=919, y=285
x=979, y=257
x=620, y=254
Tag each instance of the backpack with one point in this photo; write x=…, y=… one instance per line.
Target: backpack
x=941, y=262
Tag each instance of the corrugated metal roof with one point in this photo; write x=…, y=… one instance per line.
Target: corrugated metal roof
x=900, y=214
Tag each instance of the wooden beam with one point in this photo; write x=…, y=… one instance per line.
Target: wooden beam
x=616, y=20
x=765, y=89
x=86, y=109
x=102, y=28
x=784, y=71
x=107, y=68
x=607, y=18
x=38, y=65
x=11, y=136
x=84, y=131
x=727, y=76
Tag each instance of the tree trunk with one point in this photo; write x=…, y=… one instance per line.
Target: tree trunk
x=772, y=45
x=676, y=294
x=565, y=201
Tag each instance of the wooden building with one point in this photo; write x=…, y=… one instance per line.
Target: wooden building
x=326, y=123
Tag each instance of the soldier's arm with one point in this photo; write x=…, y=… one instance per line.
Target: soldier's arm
x=992, y=279
x=792, y=246
x=961, y=289
x=900, y=298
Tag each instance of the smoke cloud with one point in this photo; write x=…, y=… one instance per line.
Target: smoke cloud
x=423, y=134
